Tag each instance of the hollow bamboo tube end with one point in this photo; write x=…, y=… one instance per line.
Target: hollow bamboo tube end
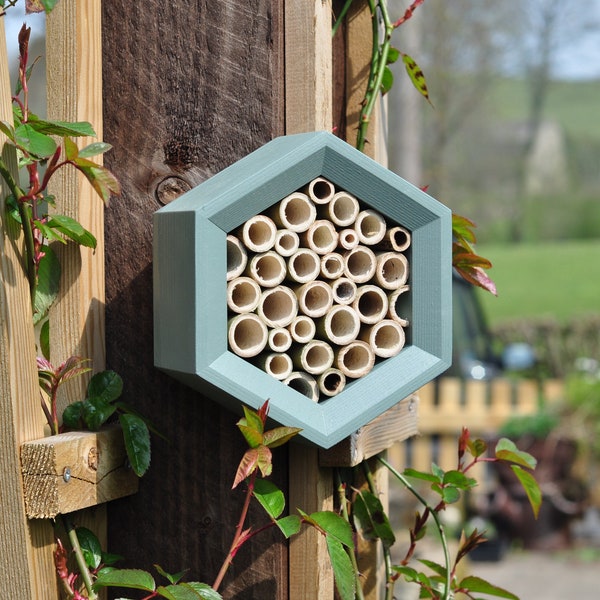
x=343, y=209
x=258, y=233
x=314, y=357
x=396, y=300
x=392, y=270
x=343, y=290
x=370, y=227
x=302, y=329
x=360, y=264
x=237, y=258
x=331, y=382
x=315, y=298
x=320, y=190
x=280, y=339
x=247, y=335
x=356, y=359
x=371, y=304
x=276, y=364
x=243, y=294
x=304, y=265
x=286, y=242
x=386, y=338
x=397, y=239
x=267, y=269
x=321, y=237
x=340, y=325
x=295, y=212
x=304, y=384
x=277, y=306
x=332, y=265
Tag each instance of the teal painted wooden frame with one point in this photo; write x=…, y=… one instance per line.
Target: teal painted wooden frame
x=190, y=263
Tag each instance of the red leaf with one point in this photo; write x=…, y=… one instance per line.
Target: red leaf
x=246, y=467
x=408, y=13
x=478, y=277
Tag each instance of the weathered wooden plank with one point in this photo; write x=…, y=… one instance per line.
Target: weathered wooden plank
x=26, y=565
x=68, y=472
x=189, y=88
x=308, y=107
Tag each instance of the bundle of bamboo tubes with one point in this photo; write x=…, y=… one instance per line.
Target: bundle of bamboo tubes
x=315, y=289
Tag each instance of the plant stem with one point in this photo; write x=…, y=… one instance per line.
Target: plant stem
x=387, y=557
x=341, y=17
x=235, y=544
x=406, y=483
x=83, y=568
x=344, y=508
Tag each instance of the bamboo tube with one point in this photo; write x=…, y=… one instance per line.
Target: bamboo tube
x=321, y=237
x=340, y=325
x=320, y=190
x=396, y=238
x=277, y=306
x=370, y=227
x=331, y=382
x=267, y=269
x=302, y=329
x=280, y=339
x=395, y=302
x=343, y=290
x=314, y=298
x=356, y=359
x=386, y=338
x=392, y=270
x=314, y=357
x=342, y=210
x=332, y=265
x=258, y=233
x=286, y=242
x=371, y=304
x=295, y=212
x=360, y=264
x=243, y=294
x=304, y=265
x=276, y=364
x=348, y=239
x=247, y=335
x=237, y=258
x=304, y=384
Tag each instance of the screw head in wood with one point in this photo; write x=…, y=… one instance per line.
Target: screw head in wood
x=67, y=474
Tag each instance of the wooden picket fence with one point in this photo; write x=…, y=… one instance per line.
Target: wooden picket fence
x=449, y=404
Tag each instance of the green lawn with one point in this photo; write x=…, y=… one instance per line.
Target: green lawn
x=560, y=279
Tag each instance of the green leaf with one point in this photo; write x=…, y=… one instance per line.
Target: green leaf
x=108, y=558
x=178, y=592
x=71, y=149
x=387, y=81
x=96, y=412
x=476, y=584
x=48, y=284
x=420, y=475
x=171, y=577
x=459, y=480
x=204, y=590
x=435, y=567
x=137, y=442
x=462, y=228
x=408, y=573
x=270, y=497
x=393, y=55
x=289, y=525
x=371, y=520
x=102, y=180
x=34, y=143
x=507, y=450
x=450, y=494
x=477, y=447
x=90, y=547
x=72, y=415
x=252, y=419
x=45, y=339
x=531, y=487
x=416, y=76
x=106, y=386
x=253, y=437
x=127, y=578
x=61, y=128
x=279, y=436
x=334, y=526
x=343, y=571
x=72, y=229
x=94, y=149
x=8, y=130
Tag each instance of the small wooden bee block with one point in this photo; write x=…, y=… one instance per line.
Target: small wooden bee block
x=70, y=471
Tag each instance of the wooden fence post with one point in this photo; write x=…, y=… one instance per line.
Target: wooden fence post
x=26, y=564
x=74, y=76
x=308, y=107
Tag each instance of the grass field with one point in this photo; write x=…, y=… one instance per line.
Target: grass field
x=559, y=279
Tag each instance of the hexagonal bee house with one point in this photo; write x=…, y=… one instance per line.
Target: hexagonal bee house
x=309, y=275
